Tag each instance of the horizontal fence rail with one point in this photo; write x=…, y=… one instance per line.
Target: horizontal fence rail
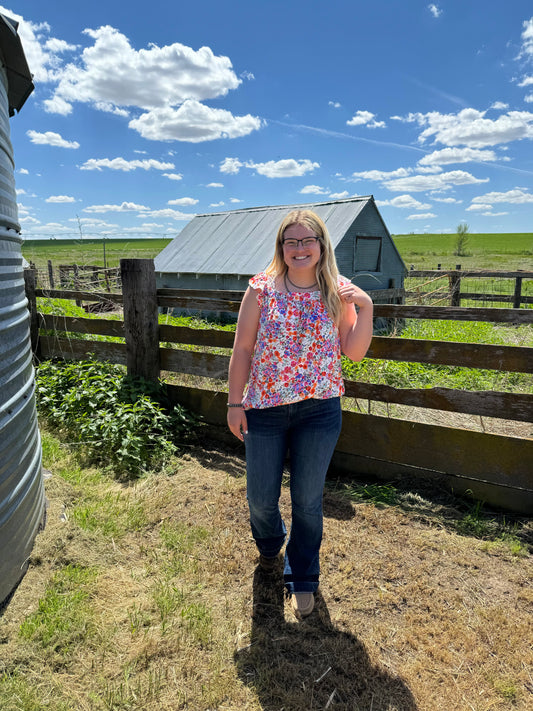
x=206, y=353
x=447, y=285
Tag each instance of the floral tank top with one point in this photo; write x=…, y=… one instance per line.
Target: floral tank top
x=297, y=353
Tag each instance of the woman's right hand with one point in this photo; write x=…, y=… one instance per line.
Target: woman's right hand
x=237, y=422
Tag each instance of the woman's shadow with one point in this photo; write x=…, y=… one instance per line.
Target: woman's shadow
x=311, y=665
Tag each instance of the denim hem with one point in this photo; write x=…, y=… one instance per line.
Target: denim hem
x=301, y=586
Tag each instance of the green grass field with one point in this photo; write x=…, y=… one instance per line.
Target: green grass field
x=90, y=251
x=483, y=251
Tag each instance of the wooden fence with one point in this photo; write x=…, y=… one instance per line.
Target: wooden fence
x=447, y=286
x=77, y=276
x=494, y=468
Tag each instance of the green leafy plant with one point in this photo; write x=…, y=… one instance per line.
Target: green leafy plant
x=124, y=422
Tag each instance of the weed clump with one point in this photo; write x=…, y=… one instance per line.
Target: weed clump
x=123, y=422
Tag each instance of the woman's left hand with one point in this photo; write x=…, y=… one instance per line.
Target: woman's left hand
x=352, y=294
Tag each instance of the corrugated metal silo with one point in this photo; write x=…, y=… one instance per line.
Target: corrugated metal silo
x=22, y=501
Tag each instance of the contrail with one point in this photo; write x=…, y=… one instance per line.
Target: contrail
x=349, y=136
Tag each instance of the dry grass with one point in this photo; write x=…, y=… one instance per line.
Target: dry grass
x=410, y=615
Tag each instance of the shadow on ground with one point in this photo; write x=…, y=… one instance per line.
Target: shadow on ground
x=311, y=665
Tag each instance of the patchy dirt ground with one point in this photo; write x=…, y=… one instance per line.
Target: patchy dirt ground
x=410, y=615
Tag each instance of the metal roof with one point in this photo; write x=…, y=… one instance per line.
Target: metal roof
x=242, y=241
x=19, y=77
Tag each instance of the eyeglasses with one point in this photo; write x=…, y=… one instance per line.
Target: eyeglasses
x=305, y=242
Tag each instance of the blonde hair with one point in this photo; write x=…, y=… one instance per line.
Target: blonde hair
x=326, y=268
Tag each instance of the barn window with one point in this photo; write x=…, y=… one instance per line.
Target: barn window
x=367, y=254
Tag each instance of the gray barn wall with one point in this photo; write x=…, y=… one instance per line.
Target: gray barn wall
x=350, y=261
x=22, y=501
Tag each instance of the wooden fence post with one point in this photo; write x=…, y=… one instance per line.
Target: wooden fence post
x=51, y=275
x=140, y=317
x=30, y=284
x=455, y=288
x=517, y=298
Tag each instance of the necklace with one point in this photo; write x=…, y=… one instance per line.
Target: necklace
x=305, y=288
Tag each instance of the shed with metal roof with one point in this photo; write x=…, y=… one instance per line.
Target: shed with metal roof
x=223, y=250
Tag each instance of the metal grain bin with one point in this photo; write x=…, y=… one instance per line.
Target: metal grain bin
x=22, y=501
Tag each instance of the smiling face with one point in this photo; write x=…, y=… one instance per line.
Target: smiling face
x=301, y=259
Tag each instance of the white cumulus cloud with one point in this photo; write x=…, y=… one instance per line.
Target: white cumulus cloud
x=183, y=201
x=471, y=128
x=231, y=166
x=123, y=207
x=381, y=174
x=527, y=39
x=49, y=138
x=517, y=196
x=435, y=10
x=125, y=165
x=459, y=155
x=193, y=122
x=313, y=190
x=111, y=70
x=285, y=168
x=169, y=214
x=60, y=198
x=365, y=118
x=422, y=216
x=440, y=181
x=406, y=201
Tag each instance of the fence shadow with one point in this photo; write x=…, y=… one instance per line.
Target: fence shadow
x=311, y=665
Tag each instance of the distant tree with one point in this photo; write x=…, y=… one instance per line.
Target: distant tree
x=461, y=240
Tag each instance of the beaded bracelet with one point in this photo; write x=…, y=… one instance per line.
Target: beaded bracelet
x=235, y=404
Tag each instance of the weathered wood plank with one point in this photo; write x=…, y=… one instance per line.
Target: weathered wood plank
x=141, y=327
x=509, y=406
x=496, y=469
x=196, y=336
x=208, y=365
x=202, y=293
x=76, y=349
x=475, y=455
x=79, y=295
x=470, y=355
x=200, y=304
x=74, y=324
x=450, y=313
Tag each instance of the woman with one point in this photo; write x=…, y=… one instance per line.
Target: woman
x=285, y=385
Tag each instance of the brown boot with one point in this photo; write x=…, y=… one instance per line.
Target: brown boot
x=302, y=604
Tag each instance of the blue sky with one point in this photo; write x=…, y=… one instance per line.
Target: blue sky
x=144, y=115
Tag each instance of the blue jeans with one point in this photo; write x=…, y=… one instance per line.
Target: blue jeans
x=309, y=431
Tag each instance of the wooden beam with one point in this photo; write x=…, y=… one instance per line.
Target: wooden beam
x=199, y=304
x=514, y=359
x=493, y=315
x=74, y=324
x=79, y=295
x=75, y=349
x=207, y=365
x=196, y=336
x=508, y=406
x=140, y=317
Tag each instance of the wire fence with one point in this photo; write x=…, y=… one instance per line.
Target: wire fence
x=79, y=277
x=469, y=288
